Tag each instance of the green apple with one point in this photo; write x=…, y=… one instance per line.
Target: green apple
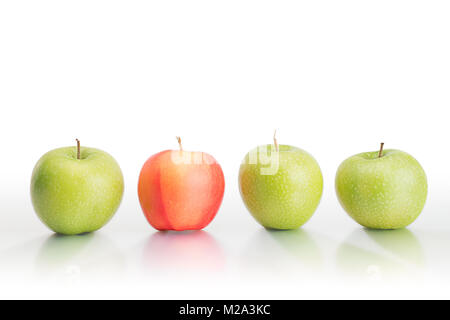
x=382, y=189
x=76, y=190
x=281, y=186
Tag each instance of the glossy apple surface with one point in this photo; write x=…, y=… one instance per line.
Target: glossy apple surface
x=387, y=192
x=181, y=190
x=281, y=189
x=74, y=196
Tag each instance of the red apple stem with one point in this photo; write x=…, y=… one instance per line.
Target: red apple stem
x=179, y=143
x=78, y=149
x=275, y=142
x=380, y=154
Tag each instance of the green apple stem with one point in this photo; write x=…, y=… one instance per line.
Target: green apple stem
x=380, y=154
x=275, y=142
x=78, y=149
x=179, y=143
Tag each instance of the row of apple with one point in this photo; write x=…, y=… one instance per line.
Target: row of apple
x=76, y=190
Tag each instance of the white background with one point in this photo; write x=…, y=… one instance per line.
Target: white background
x=334, y=77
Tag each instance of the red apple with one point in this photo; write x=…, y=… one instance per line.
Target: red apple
x=181, y=190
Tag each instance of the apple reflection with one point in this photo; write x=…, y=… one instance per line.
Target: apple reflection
x=171, y=252
x=70, y=259
x=281, y=254
x=381, y=255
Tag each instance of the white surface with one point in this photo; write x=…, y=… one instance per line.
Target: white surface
x=335, y=77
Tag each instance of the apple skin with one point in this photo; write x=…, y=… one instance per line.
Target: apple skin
x=181, y=190
x=382, y=193
x=74, y=196
x=284, y=200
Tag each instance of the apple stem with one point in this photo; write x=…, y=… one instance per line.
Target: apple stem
x=275, y=142
x=380, y=154
x=78, y=149
x=179, y=143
